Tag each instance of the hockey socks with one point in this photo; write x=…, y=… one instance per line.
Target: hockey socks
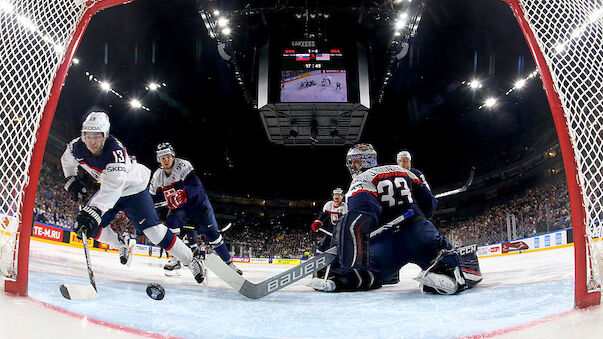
x=217, y=243
x=164, y=238
x=108, y=236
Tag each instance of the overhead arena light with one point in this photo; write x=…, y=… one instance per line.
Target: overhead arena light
x=135, y=103
x=222, y=22
x=475, y=84
x=490, y=102
x=152, y=86
x=105, y=86
x=520, y=83
x=226, y=31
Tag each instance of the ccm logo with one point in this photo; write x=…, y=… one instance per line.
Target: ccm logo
x=467, y=249
x=298, y=273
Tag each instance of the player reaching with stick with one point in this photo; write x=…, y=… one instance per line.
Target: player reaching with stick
x=123, y=187
x=188, y=204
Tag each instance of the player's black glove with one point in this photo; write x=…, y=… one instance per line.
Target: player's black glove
x=87, y=221
x=76, y=189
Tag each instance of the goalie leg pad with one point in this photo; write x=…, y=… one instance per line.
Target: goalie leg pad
x=451, y=273
x=350, y=280
x=469, y=268
x=352, y=236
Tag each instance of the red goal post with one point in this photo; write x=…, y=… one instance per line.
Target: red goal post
x=566, y=40
x=39, y=39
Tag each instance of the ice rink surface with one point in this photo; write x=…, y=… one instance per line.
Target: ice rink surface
x=528, y=295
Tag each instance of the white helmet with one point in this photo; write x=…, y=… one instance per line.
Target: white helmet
x=403, y=154
x=365, y=152
x=96, y=122
x=338, y=190
x=164, y=148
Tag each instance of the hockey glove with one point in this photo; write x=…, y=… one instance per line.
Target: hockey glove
x=76, y=189
x=316, y=225
x=87, y=221
x=176, y=199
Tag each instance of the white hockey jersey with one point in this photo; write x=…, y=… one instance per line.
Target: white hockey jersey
x=163, y=182
x=113, y=169
x=335, y=212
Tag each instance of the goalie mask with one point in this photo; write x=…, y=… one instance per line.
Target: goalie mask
x=163, y=149
x=360, y=158
x=96, y=122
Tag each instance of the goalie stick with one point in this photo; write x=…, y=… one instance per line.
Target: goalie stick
x=384, y=227
x=460, y=189
x=270, y=285
x=79, y=292
x=284, y=279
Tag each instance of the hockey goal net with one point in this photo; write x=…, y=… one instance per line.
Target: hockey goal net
x=38, y=40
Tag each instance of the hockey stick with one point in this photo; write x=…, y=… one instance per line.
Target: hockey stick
x=325, y=232
x=460, y=189
x=260, y=290
x=384, y=227
x=270, y=285
x=160, y=204
x=225, y=228
x=79, y=292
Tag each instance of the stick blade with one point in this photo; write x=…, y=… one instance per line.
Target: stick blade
x=78, y=292
x=224, y=272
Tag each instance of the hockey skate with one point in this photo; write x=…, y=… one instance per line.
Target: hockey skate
x=172, y=268
x=437, y=283
x=234, y=267
x=126, y=245
x=321, y=284
x=198, y=270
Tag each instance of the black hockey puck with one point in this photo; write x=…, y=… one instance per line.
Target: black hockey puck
x=155, y=291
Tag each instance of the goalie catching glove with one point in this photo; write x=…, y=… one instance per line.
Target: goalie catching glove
x=87, y=221
x=76, y=189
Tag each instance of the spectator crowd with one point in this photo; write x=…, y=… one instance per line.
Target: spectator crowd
x=542, y=208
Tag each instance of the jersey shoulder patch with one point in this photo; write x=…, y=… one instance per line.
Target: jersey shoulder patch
x=114, y=151
x=182, y=168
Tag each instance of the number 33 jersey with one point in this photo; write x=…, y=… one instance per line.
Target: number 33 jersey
x=390, y=191
x=113, y=169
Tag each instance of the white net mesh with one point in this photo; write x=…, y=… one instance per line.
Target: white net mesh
x=33, y=37
x=570, y=35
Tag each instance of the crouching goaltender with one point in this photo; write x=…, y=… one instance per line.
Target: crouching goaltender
x=386, y=227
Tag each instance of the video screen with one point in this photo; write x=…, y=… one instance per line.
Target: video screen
x=314, y=86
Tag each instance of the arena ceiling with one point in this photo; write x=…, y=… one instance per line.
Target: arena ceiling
x=426, y=107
